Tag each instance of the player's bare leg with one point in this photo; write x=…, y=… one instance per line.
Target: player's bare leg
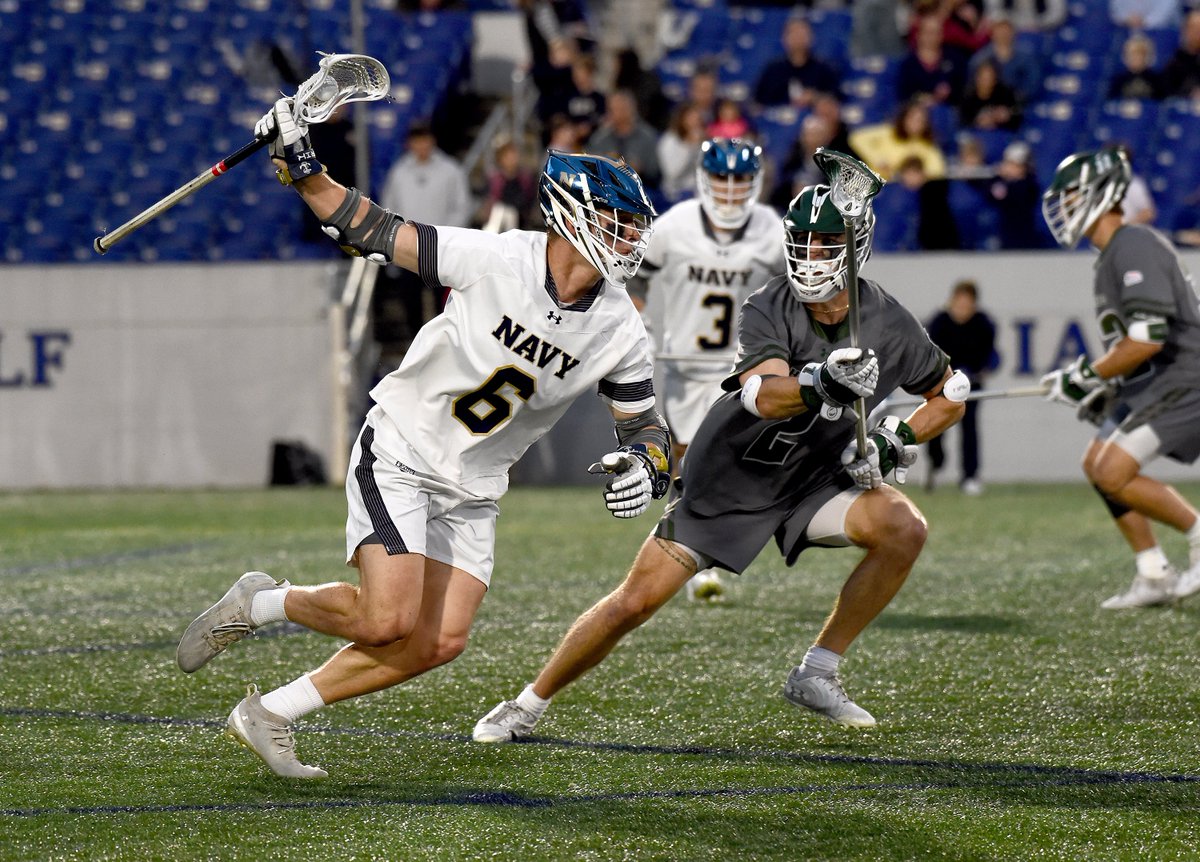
x=893, y=531
x=1117, y=475
x=449, y=600
x=446, y=605
x=706, y=585
x=658, y=573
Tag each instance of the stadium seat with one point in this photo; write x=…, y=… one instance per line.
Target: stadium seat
x=896, y=214
x=976, y=218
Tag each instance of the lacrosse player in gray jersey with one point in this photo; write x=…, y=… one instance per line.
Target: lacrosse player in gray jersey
x=776, y=457
x=1144, y=392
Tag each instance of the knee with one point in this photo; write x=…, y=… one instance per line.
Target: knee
x=381, y=631
x=442, y=649
x=900, y=529
x=1107, y=481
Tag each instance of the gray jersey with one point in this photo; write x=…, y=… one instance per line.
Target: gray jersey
x=740, y=462
x=1140, y=273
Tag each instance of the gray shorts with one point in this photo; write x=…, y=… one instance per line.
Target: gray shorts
x=733, y=539
x=1172, y=413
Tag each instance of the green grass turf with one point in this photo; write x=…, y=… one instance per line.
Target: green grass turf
x=1017, y=719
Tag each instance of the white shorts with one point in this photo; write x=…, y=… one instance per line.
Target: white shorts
x=410, y=512
x=687, y=401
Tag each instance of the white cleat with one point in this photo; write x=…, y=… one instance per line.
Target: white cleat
x=1146, y=592
x=1188, y=584
x=224, y=623
x=705, y=586
x=507, y=722
x=269, y=737
x=824, y=695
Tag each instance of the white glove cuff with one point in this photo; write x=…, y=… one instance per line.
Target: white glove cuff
x=750, y=395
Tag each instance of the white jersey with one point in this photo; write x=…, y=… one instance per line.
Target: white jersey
x=492, y=373
x=702, y=281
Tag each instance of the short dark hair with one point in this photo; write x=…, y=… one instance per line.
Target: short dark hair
x=966, y=286
x=420, y=129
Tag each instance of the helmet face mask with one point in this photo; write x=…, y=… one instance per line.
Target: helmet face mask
x=600, y=207
x=729, y=180
x=815, y=245
x=1086, y=185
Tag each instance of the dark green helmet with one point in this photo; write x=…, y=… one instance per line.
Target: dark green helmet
x=1086, y=185
x=815, y=244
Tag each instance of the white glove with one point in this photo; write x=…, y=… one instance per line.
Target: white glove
x=280, y=128
x=864, y=471
x=854, y=368
x=630, y=486
x=1070, y=385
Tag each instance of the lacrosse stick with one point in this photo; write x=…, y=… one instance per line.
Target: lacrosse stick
x=851, y=187
x=982, y=395
x=341, y=78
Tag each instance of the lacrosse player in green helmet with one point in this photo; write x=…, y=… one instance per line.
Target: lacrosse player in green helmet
x=776, y=457
x=1144, y=392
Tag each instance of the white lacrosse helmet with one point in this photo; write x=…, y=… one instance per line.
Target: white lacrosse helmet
x=1085, y=186
x=729, y=179
x=814, y=244
x=600, y=207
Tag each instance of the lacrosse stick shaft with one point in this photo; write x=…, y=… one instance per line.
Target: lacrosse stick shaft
x=860, y=405
x=103, y=243
x=982, y=395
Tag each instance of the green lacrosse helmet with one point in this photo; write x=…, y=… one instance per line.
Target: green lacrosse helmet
x=1086, y=185
x=815, y=245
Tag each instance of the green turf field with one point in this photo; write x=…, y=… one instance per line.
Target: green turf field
x=1017, y=719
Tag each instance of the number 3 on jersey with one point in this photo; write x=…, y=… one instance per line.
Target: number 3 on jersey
x=484, y=409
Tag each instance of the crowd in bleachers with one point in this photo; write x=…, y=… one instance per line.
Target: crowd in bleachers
x=965, y=106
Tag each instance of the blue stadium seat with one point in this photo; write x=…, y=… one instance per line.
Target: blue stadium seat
x=896, y=214
x=1128, y=121
x=976, y=218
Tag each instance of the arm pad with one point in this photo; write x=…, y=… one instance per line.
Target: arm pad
x=647, y=436
x=374, y=239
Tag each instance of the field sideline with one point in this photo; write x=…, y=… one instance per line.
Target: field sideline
x=1017, y=719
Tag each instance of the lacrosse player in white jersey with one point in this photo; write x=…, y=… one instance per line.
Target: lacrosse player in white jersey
x=534, y=321
x=707, y=255
x=1144, y=392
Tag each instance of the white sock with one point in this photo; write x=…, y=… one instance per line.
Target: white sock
x=530, y=702
x=1193, y=537
x=267, y=606
x=1152, y=563
x=819, y=661
x=293, y=700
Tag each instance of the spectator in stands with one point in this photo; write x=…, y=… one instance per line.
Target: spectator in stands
x=433, y=187
x=1137, y=80
x=548, y=21
x=799, y=169
x=1181, y=76
x=1145, y=14
x=646, y=87
x=1017, y=197
x=1018, y=66
x=796, y=77
x=886, y=145
x=1028, y=16
x=679, y=152
x=989, y=103
x=931, y=68
x=511, y=200
x=625, y=135
x=578, y=96
x=1138, y=203
x=561, y=134
x=875, y=29
x=963, y=24
x=428, y=183
x=969, y=162
x=936, y=228
x=702, y=90
x=730, y=121
x=829, y=108
x=552, y=77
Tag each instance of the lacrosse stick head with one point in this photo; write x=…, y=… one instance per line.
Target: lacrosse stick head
x=852, y=184
x=340, y=79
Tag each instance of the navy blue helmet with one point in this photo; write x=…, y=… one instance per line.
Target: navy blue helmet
x=729, y=178
x=600, y=207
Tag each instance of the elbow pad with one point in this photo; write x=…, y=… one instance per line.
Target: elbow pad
x=374, y=239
